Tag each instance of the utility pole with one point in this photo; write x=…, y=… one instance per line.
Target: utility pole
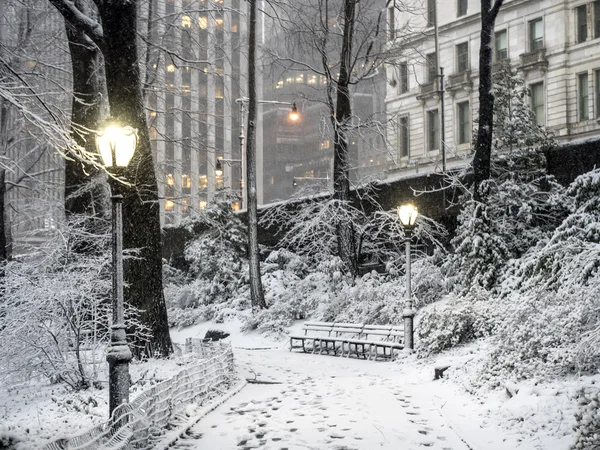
x=440, y=90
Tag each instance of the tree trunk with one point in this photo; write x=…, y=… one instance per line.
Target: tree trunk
x=346, y=238
x=141, y=220
x=483, y=146
x=85, y=113
x=256, y=288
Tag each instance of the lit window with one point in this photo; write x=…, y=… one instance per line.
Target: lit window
x=312, y=79
x=536, y=35
x=537, y=102
x=464, y=123
x=186, y=181
x=186, y=22
x=218, y=93
x=235, y=206
x=279, y=84
x=300, y=78
x=169, y=205
x=202, y=181
x=185, y=204
x=289, y=80
x=170, y=179
x=152, y=113
x=202, y=204
x=403, y=142
x=500, y=45
x=582, y=79
x=433, y=130
x=31, y=64
x=219, y=22
x=234, y=28
x=203, y=22
x=325, y=144
x=170, y=68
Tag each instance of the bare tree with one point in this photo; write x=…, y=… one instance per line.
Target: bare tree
x=344, y=42
x=256, y=287
x=115, y=34
x=483, y=147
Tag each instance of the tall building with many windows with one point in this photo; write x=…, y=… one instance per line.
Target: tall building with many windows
x=553, y=43
x=196, y=73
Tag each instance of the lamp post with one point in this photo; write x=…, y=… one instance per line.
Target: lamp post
x=294, y=116
x=408, y=216
x=116, y=146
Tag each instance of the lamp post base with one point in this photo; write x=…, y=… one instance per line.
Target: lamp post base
x=409, y=335
x=118, y=356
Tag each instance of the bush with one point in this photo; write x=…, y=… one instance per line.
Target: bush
x=455, y=322
x=587, y=429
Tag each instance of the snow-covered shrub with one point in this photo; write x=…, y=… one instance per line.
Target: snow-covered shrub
x=457, y=321
x=56, y=311
x=218, y=272
x=587, y=429
x=571, y=256
x=428, y=282
x=538, y=335
x=292, y=291
x=373, y=299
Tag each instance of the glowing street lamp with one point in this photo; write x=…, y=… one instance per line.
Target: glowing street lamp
x=116, y=146
x=294, y=114
x=408, y=214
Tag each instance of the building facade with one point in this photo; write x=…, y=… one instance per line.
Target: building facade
x=553, y=43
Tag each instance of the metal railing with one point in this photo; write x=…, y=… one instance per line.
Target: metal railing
x=139, y=424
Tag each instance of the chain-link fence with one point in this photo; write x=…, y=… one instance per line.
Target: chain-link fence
x=140, y=423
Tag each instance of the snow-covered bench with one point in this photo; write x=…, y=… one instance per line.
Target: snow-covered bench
x=368, y=341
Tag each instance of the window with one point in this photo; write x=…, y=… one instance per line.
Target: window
x=391, y=24
x=403, y=75
x=500, y=47
x=597, y=92
x=431, y=13
x=537, y=102
x=461, y=7
x=169, y=205
x=433, y=130
x=581, y=17
x=582, y=87
x=403, y=141
x=431, y=67
x=462, y=57
x=536, y=35
x=597, y=19
x=464, y=123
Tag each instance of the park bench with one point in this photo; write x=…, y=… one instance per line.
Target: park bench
x=368, y=341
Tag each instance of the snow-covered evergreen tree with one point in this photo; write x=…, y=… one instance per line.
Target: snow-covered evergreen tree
x=520, y=204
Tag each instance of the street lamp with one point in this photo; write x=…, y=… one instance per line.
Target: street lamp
x=293, y=116
x=408, y=216
x=116, y=146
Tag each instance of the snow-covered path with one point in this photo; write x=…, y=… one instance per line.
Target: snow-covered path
x=324, y=402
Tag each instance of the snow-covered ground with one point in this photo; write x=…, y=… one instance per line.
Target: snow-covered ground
x=327, y=402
